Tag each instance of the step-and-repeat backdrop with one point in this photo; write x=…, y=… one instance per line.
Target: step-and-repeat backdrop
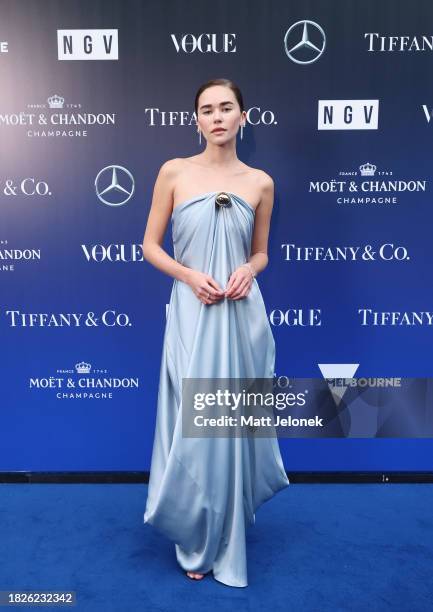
x=94, y=97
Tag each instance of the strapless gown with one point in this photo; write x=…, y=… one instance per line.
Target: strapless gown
x=203, y=492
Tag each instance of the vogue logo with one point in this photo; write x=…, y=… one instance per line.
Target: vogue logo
x=113, y=252
x=294, y=317
x=205, y=43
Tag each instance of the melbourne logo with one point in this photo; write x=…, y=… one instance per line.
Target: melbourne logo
x=304, y=42
x=87, y=45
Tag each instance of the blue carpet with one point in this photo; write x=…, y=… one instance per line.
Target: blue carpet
x=314, y=548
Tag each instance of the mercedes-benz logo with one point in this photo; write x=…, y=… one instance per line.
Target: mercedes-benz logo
x=307, y=48
x=112, y=191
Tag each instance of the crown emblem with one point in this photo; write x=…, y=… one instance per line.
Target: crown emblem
x=83, y=367
x=56, y=101
x=367, y=169
x=223, y=200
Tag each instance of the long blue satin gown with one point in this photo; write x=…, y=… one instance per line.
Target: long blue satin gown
x=203, y=492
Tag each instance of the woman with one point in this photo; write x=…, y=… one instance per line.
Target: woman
x=203, y=491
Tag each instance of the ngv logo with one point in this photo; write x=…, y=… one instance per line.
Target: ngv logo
x=87, y=45
x=205, y=43
x=348, y=115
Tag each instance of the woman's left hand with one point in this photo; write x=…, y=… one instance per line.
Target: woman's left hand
x=239, y=284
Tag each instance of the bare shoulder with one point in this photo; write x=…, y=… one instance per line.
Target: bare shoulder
x=266, y=181
x=261, y=178
x=265, y=186
x=170, y=167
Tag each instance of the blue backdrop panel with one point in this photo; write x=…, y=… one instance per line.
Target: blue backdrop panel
x=95, y=96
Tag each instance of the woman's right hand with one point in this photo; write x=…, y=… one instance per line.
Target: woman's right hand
x=205, y=287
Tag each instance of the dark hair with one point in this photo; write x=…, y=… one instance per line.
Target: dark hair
x=227, y=83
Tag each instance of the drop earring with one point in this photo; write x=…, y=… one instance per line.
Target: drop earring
x=242, y=131
x=199, y=135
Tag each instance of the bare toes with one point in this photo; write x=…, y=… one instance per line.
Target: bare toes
x=195, y=575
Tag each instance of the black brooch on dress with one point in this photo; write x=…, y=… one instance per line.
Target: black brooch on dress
x=223, y=200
